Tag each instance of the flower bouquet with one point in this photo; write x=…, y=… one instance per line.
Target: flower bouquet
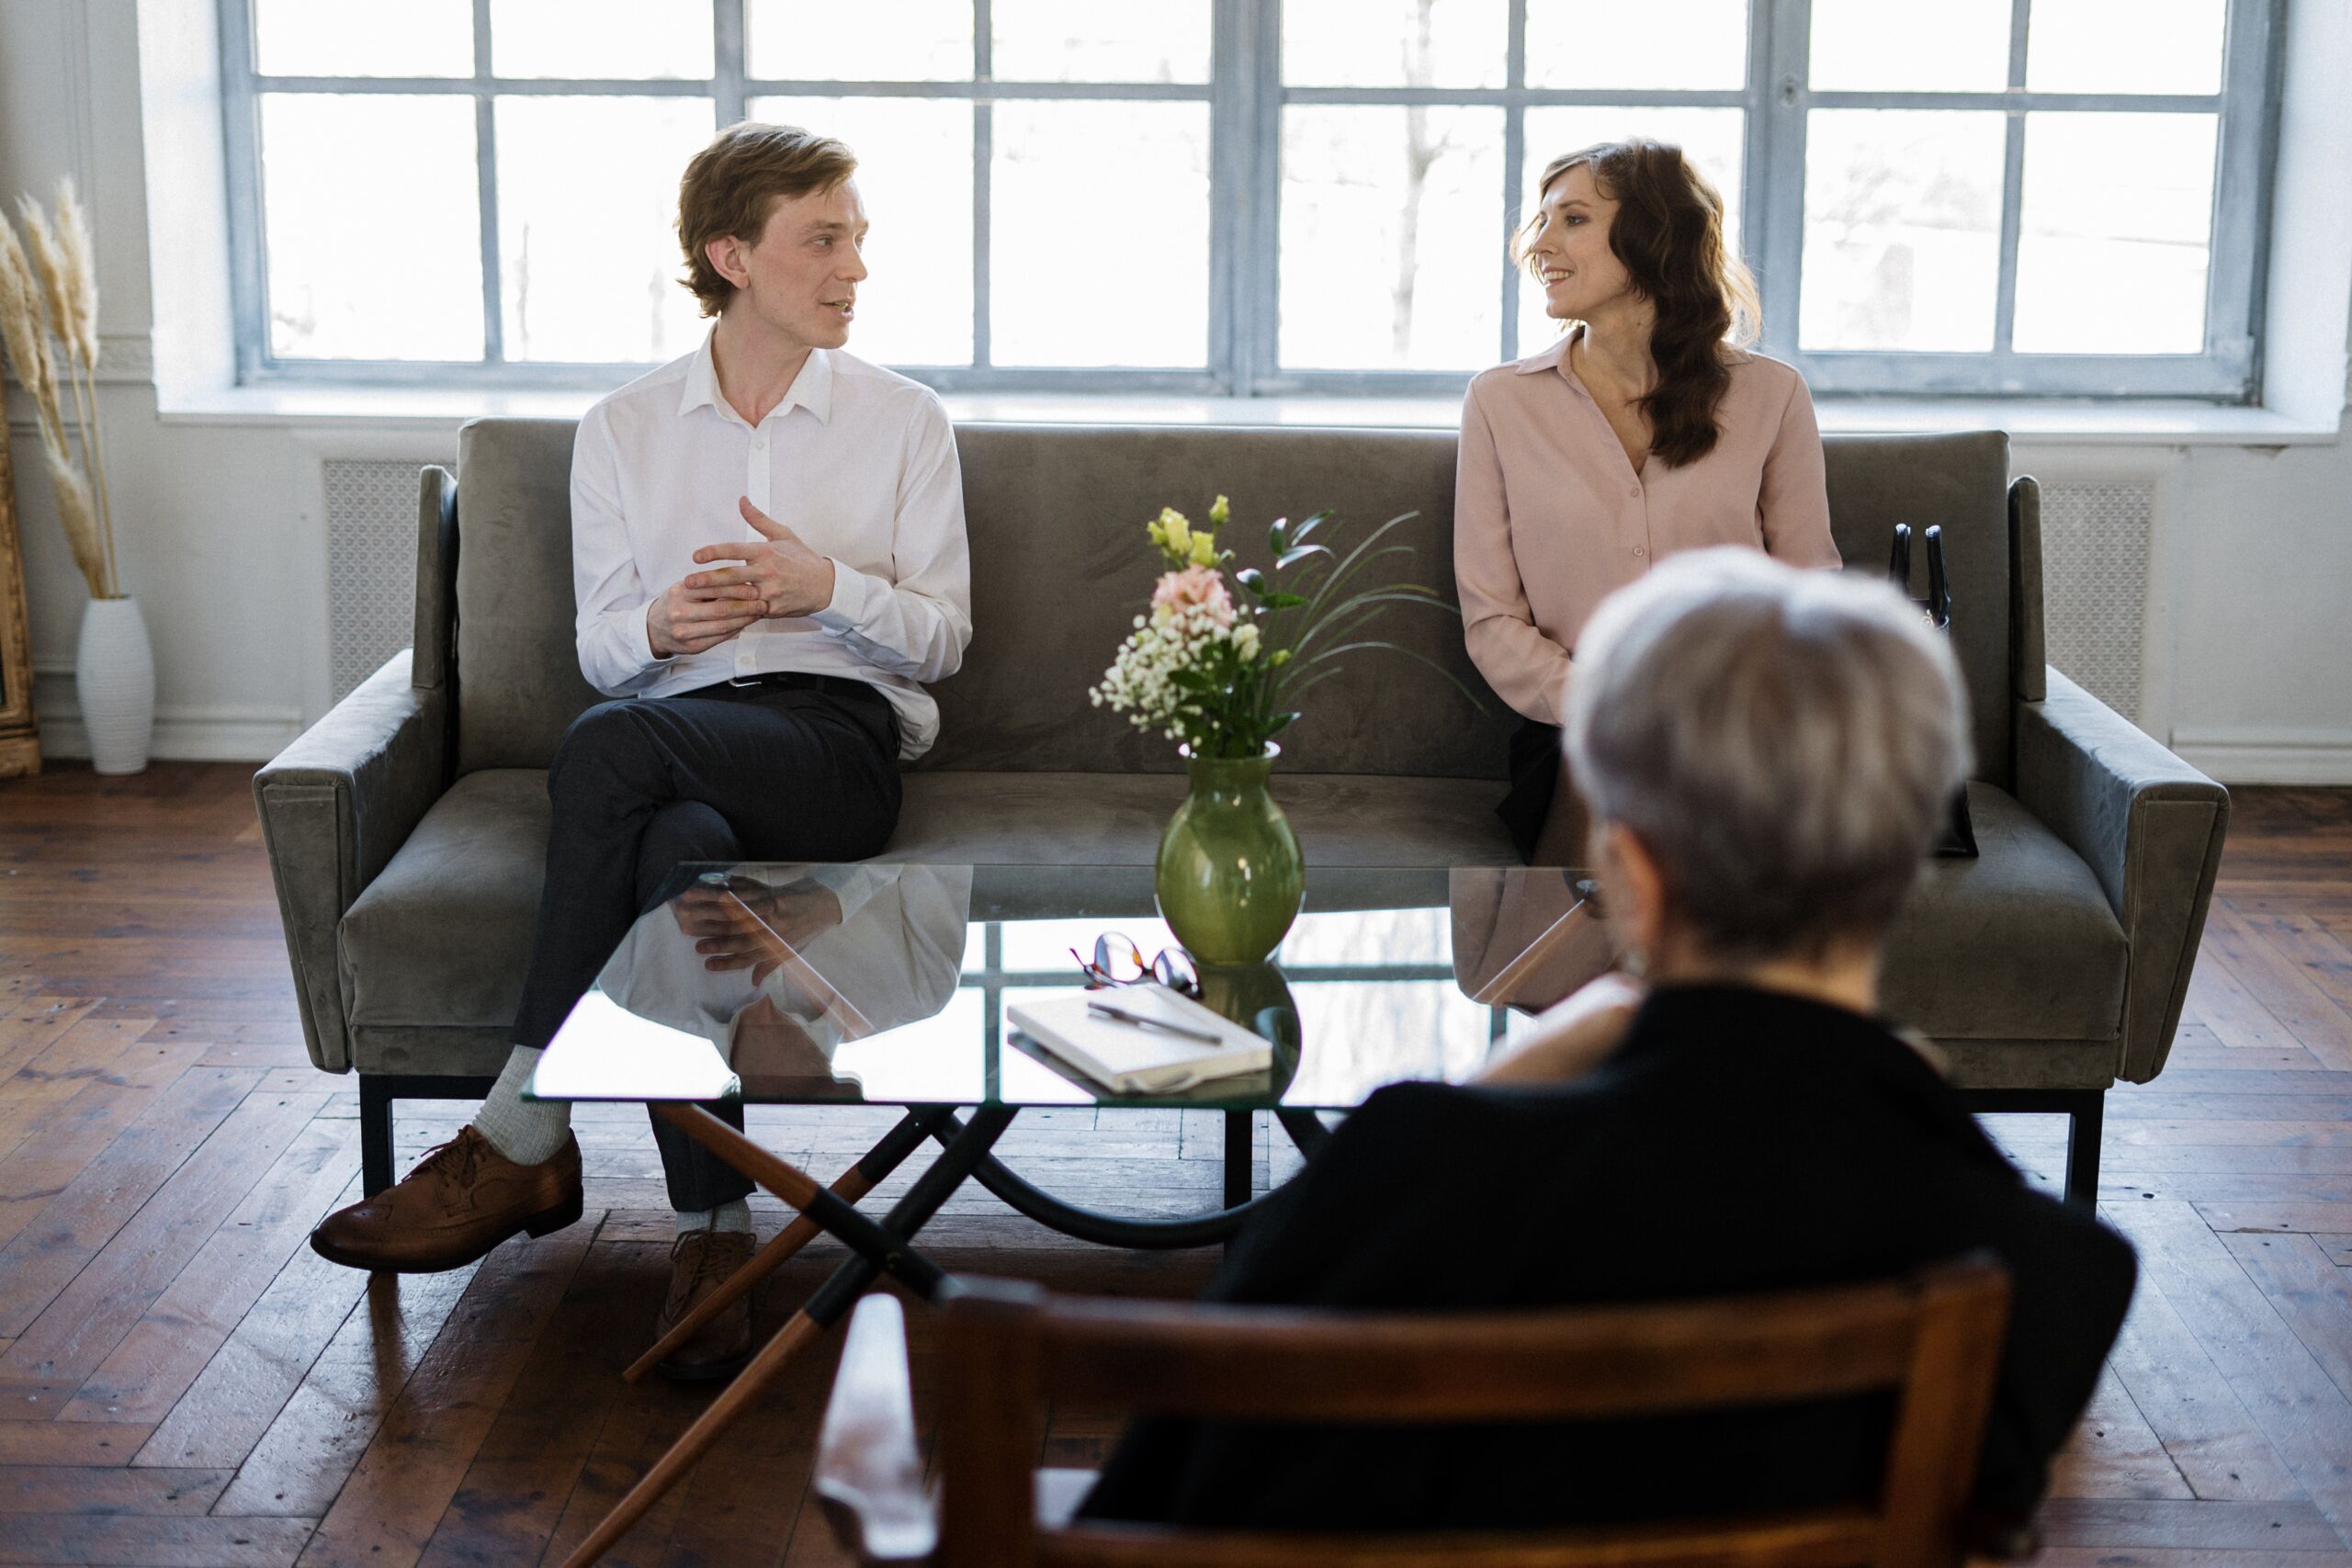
x=1222, y=665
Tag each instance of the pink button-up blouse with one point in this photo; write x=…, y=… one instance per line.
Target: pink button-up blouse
x=1549, y=516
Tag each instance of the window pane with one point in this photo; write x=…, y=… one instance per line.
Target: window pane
x=363, y=38
x=601, y=37
x=1392, y=253
x=587, y=236
x=1664, y=44
x=372, y=221
x=1712, y=139
x=2114, y=233
x=878, y=40
x=1394, y=43
x=1099, y=234
x=1085, y=41
x=914, y=175
x=2125, y=46
x=1902, y=230
x=1868, y=46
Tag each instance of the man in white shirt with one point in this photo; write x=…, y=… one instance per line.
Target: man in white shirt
x=769, y=561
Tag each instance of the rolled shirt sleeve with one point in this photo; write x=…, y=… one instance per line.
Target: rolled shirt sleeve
x=919, y=626
x=615, y=645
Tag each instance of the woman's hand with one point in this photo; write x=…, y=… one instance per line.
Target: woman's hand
x=1573, y=1036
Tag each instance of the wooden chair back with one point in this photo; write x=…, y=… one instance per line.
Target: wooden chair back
x=1932, y=1338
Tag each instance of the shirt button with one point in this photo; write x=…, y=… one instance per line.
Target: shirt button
x=1635, y=492
x=1639, y=551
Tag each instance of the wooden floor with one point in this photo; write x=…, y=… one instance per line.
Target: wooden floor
x=182, y=1381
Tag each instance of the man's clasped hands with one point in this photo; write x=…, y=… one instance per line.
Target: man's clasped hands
x=778, y=575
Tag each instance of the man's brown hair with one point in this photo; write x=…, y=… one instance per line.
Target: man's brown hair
x=732, y=185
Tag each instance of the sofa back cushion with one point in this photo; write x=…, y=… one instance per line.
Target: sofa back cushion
x=1061, y=567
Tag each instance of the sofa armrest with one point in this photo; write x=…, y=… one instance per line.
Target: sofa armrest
x=2149, y=825
x=334, y=806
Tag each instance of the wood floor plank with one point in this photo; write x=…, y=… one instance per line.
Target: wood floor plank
x=512, y=1493
x=2106, y=1523
x=2290, y=1397
x=90, y=1316
x=144, y=1375
x=76, y=1225
x=2319, y=1024
x=69, y=1442
x=396, y=1496
x=66, y=1141
x=80, y=1489
x=2220, y=1001
x=128, y=1542
x=2260, y=1214
x=249, y=1379
x=309, y=1449
x=2181, y=1557
x=2114, y=1452
x=2216, y=1446
x=36, y=1024
x=2308, y=1291
x=83, y=1053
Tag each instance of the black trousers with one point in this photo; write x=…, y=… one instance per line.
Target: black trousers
x=802, y=772
x=1534, y=780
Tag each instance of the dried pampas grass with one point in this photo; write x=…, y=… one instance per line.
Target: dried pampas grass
x=55, y=290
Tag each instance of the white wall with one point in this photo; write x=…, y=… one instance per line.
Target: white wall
x=222, y=537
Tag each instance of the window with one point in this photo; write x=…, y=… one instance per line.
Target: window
x=1256, y=197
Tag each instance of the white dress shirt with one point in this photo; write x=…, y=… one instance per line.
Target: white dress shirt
x=858, y=461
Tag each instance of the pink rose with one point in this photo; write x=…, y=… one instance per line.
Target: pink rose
x=1195, y=586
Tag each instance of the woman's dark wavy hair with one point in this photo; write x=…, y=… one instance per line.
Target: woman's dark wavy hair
x=1669, y=232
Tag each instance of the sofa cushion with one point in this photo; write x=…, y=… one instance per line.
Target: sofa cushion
x=443, y=936
x=2019, y=945
x=1015, y=818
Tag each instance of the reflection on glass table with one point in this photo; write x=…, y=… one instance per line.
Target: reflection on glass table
x=887, y=983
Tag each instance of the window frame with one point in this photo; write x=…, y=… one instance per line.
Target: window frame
x=1245, y=98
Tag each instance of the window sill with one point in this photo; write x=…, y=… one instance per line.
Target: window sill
x=2117, y=422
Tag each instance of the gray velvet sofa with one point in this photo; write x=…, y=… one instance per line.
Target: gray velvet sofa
x=405, y=830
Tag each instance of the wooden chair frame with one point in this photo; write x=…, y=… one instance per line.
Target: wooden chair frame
x=1932, y=1338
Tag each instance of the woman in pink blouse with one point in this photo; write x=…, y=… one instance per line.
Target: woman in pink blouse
x=1641, y=432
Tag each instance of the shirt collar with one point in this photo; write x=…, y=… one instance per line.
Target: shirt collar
x=1554, y=357
x=812, y=390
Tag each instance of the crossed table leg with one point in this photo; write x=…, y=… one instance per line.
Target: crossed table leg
x=876, y=1245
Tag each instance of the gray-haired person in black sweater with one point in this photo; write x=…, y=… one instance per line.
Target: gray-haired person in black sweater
x=1767, y=754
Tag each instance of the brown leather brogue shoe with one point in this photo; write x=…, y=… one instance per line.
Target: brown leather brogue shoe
x=463, y=1199
x=701, y=1262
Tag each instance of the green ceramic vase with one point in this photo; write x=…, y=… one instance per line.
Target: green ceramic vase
x=1229, y=877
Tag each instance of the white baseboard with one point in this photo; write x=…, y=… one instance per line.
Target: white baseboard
x=2248, y=756
x=183, y=733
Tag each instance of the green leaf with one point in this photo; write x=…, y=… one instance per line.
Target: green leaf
x=1311, y=524
x=1281, y=601
x=1282, y=722
x=1276, y=542
x=1253, y=580
x=1298, y=553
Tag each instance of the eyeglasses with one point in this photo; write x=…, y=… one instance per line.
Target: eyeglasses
x=1119, y=962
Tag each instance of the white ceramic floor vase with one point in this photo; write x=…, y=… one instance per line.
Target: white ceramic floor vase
x=114, y=677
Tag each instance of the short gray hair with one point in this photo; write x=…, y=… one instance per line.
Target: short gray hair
x=1783, y=742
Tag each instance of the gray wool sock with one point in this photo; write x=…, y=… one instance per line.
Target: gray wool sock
x=735, y=1216
x=526, y=1131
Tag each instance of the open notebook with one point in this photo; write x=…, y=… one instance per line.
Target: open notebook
x=1135, y=1059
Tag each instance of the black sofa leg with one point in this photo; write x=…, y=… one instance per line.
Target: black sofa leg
x=375, y=1134
x=1240, y=1156
x=2086, y=1120
x=376, y=1093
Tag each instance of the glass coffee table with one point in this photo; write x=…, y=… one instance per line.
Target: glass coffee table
x=888, y=985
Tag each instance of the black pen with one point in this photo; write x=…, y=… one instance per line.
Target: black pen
x=1104, y=1009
